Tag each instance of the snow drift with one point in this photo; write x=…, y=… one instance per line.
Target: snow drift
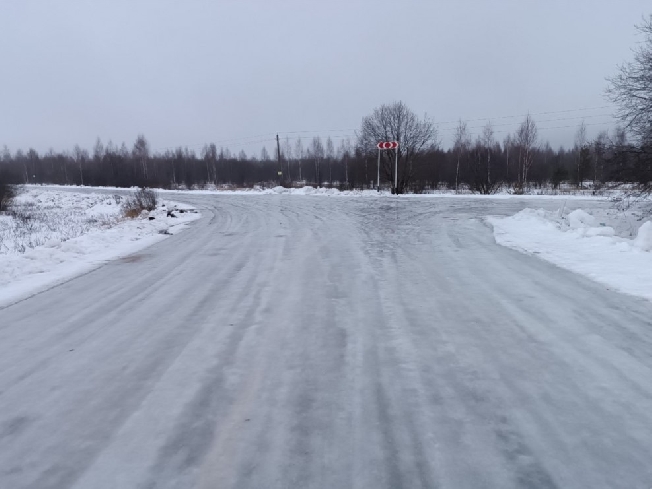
x=585, y=244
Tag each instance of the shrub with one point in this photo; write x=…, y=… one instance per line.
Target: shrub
x=7, y=194
x=144, y=199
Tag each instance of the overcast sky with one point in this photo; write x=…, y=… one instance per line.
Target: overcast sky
x=189, y=72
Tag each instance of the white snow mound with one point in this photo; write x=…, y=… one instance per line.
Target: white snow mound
x=583, y=244
x=643, y=239
x=579, y=219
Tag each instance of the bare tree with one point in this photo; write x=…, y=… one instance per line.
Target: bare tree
x=479, y=162
x=631, y=89
x=621, y=157
x=600, y=144
x=345, y=153
x=526, y=138
x=580, y=154
x=80, y=156
x=330, y=154
x=461, y=146
x=298, y=151
x=507, y=145
x=287, y=152
x=396, y=122
x=33, y=158
x=98, y=151
x=317, y=151
x=140, y=153
x=488, y=142
x=209, y=155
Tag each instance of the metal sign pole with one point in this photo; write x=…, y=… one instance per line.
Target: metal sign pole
x=378, y=174
x=396, y=172
x=388, y=145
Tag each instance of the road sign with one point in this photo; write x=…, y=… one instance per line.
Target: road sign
x=387, y=145
x=383, y=145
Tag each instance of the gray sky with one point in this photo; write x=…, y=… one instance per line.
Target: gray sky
x=189, y=72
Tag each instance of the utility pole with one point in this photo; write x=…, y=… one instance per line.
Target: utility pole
x=280, y=167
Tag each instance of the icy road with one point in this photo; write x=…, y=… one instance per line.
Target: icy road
x=313, y=342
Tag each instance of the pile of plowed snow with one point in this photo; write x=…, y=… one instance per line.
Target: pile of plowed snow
x=610, y=246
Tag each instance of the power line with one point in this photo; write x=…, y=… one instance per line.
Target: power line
x=524, y=115
x=269, y=137
x=315, y=132
x=545, y=120
x=561, y=127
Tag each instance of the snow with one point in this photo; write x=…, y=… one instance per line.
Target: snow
x=257, y=190
x=334, y=192
x=306, y=190
x=299, y=342
x=57, y=235
x=643, y=239
x=604, y=245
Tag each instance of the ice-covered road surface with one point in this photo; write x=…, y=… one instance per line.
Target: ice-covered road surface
x=310, y=342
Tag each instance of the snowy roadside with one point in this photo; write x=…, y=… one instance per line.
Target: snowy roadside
x=334, y=192
x=57, y=235
x=610, y=246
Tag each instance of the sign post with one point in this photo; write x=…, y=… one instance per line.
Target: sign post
x=378, y=175
x=396, y=171
x=385, y=145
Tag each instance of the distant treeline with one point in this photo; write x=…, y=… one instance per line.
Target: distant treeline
x=482, y=165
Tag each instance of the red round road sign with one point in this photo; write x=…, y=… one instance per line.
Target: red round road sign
x=387, y=145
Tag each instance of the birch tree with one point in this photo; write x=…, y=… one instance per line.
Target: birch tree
x=526, y=137
x=298, y=152
x=461, y=146
x=580, y=152
x=488, y=143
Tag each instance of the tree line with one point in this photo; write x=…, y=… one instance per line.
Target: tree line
x=482, y=164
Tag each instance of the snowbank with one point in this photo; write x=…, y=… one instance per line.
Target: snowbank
x=598, y=245
x=307, y=190
x=56, y=236
x=643, y=239
x=333, y=192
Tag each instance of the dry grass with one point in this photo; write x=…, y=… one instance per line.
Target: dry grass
x=143, y=200
x=131, y=212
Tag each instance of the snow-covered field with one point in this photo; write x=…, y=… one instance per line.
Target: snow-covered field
x=53, y=236
x=611, y=246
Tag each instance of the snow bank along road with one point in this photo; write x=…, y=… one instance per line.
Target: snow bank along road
x=304, y=342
